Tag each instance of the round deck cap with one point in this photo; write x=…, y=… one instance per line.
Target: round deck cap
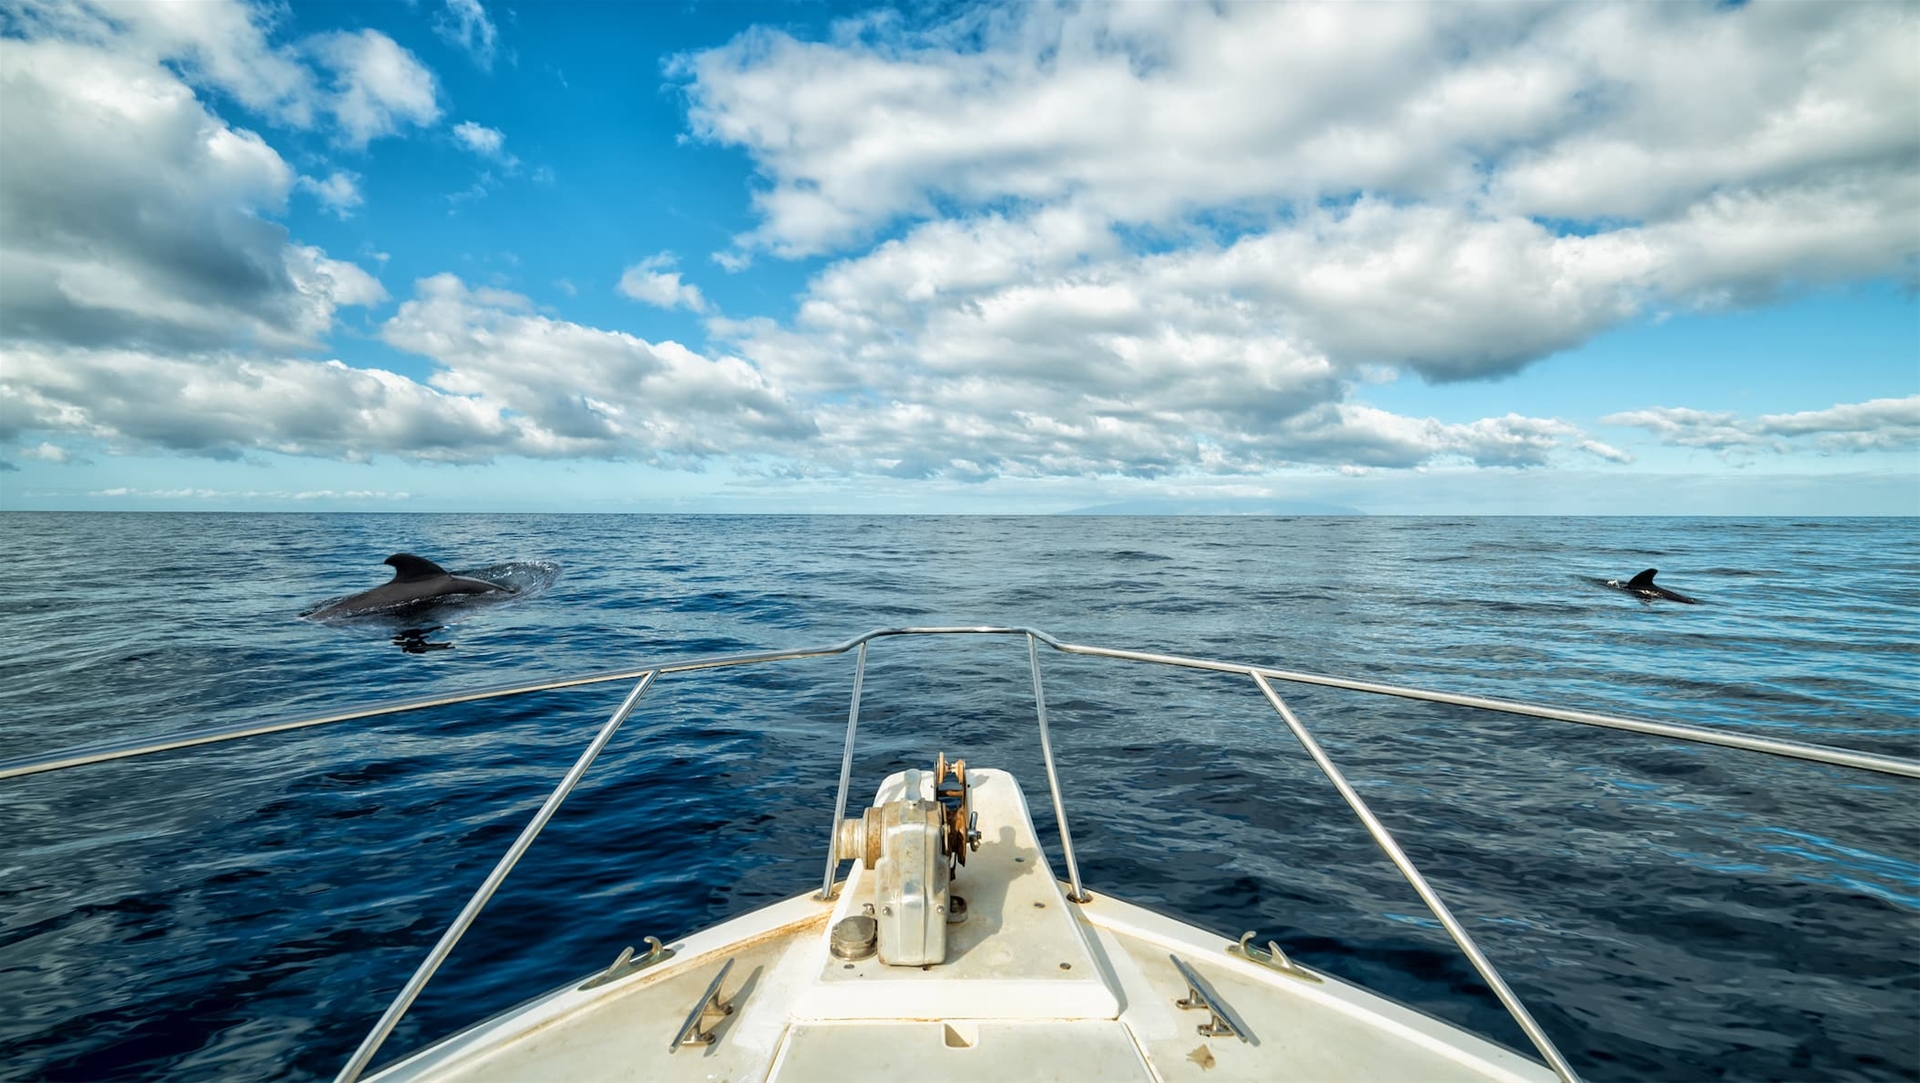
x=853, y=938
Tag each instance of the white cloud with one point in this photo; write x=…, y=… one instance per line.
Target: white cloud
x=576, y=390
x=1605, y=451
x=1146, y=116
x=481, y=140
x=1354, y=183
x=1444, y=292
x=338, y=193
x=488, y=143
x=509, y=380
x=1126, y=241
x=1880, y=423
x=1163, y=239
x=220, y=43
x=147, y=301
x=464, y=23
x=1041, y=346
x=1683, y=426
x=1074, y=382
x=221, y=405
x=650, y=282
x=47, y=453
x=128, y=492
x=506, y=381
x=1876, y=425
x=947, y=438
x=138, y=216
x=1690, y=101
x=378, y=86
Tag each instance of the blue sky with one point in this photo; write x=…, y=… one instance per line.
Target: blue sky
x=1411, y=259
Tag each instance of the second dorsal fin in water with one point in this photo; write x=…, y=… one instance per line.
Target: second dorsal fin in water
x=1643, y=581
x=408, y=568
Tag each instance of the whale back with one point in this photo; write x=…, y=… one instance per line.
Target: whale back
x=408, y=568
x=1643, y=581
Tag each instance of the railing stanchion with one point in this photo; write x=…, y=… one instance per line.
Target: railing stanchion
x=454, y=932
x=846, y=774
x=1427, y=895
x=1078, y=894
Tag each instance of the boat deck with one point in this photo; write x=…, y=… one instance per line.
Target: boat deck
x=1035, y=987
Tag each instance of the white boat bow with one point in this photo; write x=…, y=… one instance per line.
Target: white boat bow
x=881, y=977
x=1033, y=987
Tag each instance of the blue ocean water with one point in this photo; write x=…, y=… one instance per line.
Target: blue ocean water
x=1668, y=911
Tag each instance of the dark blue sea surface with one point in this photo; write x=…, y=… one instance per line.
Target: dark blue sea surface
x=1669, y=911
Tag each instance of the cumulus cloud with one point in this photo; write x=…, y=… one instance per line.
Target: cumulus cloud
x=47, y=453
x=1877, y=425
x=1155, y=239
x=484, y=141
x=651, y=282
x=138, y=217
x=378, y=86
x=223, y=405
x=1142, y=112
x=582, y=390
x=1694, y=101
x=1146, y=241
x=1605, y=451
x=464, y=23
x=1041, y=346
x=507, y=381
x=1150, y=112
x=1683, y=426
x=916, y=440
x=219, y=43
x=487, y=143
x=1455, y=190
x=338, y=193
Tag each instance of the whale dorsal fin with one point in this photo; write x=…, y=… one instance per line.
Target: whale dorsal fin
x=408, y=568
x=1643, y=581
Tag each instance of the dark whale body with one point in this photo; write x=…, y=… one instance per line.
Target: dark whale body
x=1643, y=586
x=415, y=579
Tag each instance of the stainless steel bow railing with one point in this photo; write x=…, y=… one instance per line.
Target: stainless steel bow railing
x=1261, y=676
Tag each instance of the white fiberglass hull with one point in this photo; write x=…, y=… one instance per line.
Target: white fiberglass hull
x=1035, y=987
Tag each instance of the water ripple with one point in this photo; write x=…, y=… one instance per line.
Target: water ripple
x=1669, y=912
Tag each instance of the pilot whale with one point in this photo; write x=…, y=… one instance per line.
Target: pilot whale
x=415, y=579
x=1643, y=586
